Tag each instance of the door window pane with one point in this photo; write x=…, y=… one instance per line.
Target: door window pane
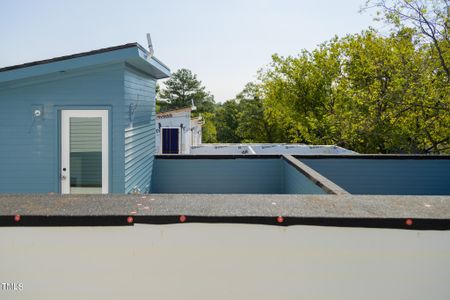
x=85, y=155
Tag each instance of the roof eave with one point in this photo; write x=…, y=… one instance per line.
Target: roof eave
x=130, y=53
x=149, y=64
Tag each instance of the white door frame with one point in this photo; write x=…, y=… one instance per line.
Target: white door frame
x=65, y=146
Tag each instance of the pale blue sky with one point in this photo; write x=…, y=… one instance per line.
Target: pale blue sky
x=223, y=42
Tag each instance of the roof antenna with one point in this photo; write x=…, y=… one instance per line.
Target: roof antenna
x=150, y=45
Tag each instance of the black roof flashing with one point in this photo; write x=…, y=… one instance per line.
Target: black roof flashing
x=71, y=56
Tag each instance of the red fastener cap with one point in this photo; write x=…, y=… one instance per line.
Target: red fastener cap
x=409, y=222
x=280, y=219
x=17, y=218
x=182, y=218
x=130, y=220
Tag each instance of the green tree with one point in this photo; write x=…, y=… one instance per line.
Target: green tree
x=366, y=92
x=371, y=96
x=254, y=121
x=430, y=20
x=226, y=121
x=209, y=131
x=245, y=119
x=182, y=89
x=298, y=94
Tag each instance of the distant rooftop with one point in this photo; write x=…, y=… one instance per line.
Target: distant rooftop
x=175, y=110
x=268, y=148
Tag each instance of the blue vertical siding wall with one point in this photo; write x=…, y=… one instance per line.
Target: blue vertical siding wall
x=229, y=176
x=386, y=176
x=29, y=148
x=140, y=130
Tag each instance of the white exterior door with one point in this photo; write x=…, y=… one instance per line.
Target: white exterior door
x=84, y=152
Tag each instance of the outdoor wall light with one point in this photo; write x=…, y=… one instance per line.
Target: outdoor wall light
x=37, y=111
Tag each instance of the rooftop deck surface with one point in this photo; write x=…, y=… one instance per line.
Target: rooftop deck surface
x=428, y=212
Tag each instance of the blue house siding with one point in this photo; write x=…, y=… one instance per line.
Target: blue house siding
x=386, y=176
x=29, y=148
x=139, y=150
x=140, y=129
x=297, y=183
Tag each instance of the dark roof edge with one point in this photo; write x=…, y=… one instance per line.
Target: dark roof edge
x=126, y=220
x=375, y=156
x=175, y=110
x=77, y=55
x=217, y=156
x=300, y=156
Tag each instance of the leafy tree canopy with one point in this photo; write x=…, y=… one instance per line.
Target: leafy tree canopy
x=430, y=19
x=368, y=92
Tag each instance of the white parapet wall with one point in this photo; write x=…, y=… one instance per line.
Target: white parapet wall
x=224, y=261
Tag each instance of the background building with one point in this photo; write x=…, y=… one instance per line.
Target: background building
x=177, y=132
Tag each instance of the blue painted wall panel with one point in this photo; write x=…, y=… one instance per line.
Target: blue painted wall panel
x=229, y=176
x=386, y=176
x=29, y=149
x=140, y=130
x=297, y=183
x=223, y=176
